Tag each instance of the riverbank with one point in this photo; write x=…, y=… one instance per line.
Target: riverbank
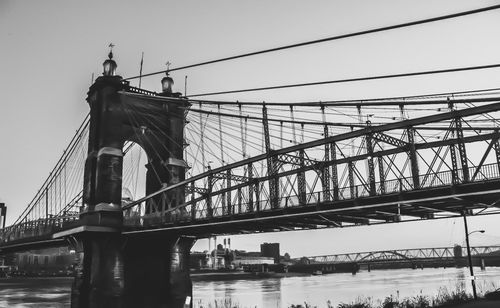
x=316, y=290
x=338, y=288
x=457, y=298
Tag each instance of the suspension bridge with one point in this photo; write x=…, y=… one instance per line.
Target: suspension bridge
x=251, y=169
x=218, y=167
x=237, y=167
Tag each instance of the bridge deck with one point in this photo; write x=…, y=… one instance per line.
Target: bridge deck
x=428, y=203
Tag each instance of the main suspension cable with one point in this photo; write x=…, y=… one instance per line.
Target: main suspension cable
x=328, y=39
x=363, y=101
x=367, y=78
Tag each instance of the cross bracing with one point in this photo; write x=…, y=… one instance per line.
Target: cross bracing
x=369, y=159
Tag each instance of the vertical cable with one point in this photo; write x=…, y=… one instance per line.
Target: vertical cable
x=243, y=144
x=293, y=125
x=220, y=136
x=202, y=141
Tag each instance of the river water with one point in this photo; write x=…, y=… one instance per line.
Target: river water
x=276, y=292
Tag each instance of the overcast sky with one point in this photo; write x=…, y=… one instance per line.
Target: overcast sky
x=49, y=50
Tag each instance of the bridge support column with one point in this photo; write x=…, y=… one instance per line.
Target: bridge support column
x=99, y=280
x=157, y=272
x=114, y=272
x=81, y=283
x=354, y=268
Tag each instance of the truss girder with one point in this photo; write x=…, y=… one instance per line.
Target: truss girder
x=198, y=190
x=371, y=165
x=325, y=171
x=461, y=149
x=231, y=177
x=497, y=150
x=412, y=154
x=294, y=163
x=389, y=140
x=296, y=160
x=335, y=177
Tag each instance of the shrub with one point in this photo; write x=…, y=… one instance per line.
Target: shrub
x=457, y=296
x=358, y=303
x=389, y=302
x=419, y=301
x=306, y=305
x=225, y=303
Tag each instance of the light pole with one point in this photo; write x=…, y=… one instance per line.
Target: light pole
x=473, y=281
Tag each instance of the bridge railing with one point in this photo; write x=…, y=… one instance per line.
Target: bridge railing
x=36, y=228
x=438, y=179
x=199, y=210
x=434, y=180
x=303, y=174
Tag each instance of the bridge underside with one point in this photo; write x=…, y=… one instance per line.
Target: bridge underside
x=443, y=202
x=449, y=201
x=32, y=244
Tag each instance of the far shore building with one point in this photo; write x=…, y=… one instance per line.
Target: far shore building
x=50, y=261
x=226, y=258
x=242, y=261
x=271, y=250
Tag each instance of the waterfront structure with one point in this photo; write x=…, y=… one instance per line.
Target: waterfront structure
x=3, y=214
x=242, y=261
x=271, y=250
x=57, y=261
x=227, y=258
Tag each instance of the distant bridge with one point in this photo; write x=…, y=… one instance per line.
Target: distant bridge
x=417, y=254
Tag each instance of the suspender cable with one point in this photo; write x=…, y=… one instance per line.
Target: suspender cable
x=203, y=162
x=293, y=125
x=220, y=138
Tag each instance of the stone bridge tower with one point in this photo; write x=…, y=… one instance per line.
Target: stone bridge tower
x=134, y=270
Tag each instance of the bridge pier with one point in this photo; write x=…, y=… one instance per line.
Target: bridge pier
x=157, y=272
x=115, y=272
x=99, y=280
x=106, y=271
x=354, y=268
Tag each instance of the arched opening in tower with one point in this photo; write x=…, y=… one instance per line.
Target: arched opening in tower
x=135, y=160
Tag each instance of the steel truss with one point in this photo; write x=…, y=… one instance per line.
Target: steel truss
x=399, y=174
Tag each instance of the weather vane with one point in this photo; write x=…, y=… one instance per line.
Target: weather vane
x=110, y=55
x=168, y=66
